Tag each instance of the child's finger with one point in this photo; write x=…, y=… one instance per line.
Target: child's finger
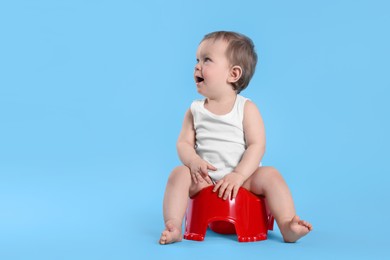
x=203, y=169
x=208, y=179
x=199, y=176
x=228, y=192
x=205, y=177
x=194, y=179
x=222, y=189
x=211, y=167
x=217, y=185
x=235, y=191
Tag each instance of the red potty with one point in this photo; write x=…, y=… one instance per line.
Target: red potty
x=247, y=216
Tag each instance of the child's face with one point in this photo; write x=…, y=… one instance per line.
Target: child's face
x=212, y=68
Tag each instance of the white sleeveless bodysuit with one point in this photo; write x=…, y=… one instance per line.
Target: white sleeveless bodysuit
x=220, y=139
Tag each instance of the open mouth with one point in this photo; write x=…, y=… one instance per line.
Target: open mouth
x=199, y=79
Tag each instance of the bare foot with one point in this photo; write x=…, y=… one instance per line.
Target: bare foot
x=296, y=229
x=171, y=234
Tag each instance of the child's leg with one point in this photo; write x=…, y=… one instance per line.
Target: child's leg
x=268, y=182
x=179, y=188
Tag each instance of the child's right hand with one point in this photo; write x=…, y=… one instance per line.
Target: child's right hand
x=199, y=170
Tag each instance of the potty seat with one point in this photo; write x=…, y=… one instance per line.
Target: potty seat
x=247, y=216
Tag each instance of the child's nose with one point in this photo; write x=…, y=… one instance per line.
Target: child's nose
x=197, y=66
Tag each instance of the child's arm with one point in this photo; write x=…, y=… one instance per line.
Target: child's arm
x=255, y=140
x=187, y=154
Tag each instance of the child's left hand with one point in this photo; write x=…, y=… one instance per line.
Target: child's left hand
x=229, y=185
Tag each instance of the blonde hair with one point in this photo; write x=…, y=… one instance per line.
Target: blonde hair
x=240, y=52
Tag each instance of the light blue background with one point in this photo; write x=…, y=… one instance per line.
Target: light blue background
x=92, y=97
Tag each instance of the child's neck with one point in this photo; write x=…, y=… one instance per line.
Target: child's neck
x=221, y=105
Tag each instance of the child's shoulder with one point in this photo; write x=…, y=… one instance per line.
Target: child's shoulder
x=196, y=105
x=198, y=101
x=245, y=100
x=249, y=107
x=246, y=103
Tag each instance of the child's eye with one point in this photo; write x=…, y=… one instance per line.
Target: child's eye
x=207, y=59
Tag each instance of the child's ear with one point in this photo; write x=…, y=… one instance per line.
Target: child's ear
x=235, y=74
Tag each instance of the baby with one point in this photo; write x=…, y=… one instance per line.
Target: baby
x=222, y=140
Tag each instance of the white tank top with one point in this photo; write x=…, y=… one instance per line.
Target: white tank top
x=220, y=138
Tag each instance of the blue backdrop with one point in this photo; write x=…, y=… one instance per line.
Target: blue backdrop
x=93, y=94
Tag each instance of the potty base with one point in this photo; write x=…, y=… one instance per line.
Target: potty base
x=247, y=216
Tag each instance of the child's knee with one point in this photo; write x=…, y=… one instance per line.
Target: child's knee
x=264, y=174
x=272, y=174
x=180, y=174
